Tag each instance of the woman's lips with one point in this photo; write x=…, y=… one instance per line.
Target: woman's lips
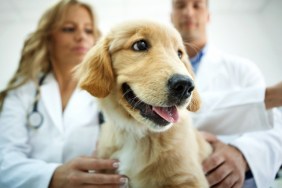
x=80, y=49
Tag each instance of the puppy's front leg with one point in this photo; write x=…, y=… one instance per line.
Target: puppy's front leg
x=107, y=143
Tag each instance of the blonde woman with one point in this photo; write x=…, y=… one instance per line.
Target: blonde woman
x=46, y=122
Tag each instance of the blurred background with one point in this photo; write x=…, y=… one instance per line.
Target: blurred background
x=249, y=28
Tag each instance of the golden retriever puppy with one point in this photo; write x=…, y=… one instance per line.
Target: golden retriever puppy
x=142, y=75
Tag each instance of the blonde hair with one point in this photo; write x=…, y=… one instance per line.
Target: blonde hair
x=35, y=57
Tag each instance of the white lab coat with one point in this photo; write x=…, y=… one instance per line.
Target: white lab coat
x=29, y=156
x=232, y=91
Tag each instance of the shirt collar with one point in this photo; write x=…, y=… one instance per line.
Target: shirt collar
x=195, y=61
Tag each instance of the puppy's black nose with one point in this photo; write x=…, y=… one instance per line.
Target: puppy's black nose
x=180, y=87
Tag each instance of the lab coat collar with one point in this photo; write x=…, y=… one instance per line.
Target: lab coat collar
x=51, y=98
x=211, y=57
x=212, y=54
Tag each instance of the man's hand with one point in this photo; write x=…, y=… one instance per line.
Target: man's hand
x=226, y=166
x=273, y=96
x=80, y=172
x=208, y=137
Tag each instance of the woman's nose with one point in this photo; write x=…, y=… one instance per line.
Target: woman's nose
x=80, y=35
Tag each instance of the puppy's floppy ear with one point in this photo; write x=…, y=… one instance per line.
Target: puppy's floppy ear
x=195, y=103
x=95, y=73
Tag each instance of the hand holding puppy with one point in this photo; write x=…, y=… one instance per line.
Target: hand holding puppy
x=80, y=172
x=226, y=166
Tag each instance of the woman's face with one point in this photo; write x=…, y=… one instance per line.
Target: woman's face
x=71, y=41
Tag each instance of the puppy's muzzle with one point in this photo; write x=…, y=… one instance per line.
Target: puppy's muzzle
x=180, y=88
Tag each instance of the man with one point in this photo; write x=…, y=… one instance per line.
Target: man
x=234, y=102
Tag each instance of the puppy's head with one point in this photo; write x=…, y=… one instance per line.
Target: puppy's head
x=142, y=66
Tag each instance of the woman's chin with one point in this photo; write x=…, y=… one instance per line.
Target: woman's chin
x=77, y=58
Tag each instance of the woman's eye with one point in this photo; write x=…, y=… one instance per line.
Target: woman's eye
x=68, y=29
x=180, y=54
x=89, y=31
x=140, y=45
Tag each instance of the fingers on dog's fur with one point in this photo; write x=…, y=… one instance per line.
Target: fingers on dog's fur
x=96, y=74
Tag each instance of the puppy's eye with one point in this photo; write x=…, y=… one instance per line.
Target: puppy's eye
x=140, y=45
x=180, y=54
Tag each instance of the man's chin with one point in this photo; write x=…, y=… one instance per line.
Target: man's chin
x=189, y=36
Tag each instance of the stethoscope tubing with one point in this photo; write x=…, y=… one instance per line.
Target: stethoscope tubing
x=35, y=118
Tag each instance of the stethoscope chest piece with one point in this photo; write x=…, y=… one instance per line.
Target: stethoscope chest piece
x=35, y=119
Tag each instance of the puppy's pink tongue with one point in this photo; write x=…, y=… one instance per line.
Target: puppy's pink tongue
x=170, y=114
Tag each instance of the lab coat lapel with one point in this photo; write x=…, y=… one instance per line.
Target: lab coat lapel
x=52, y=100
x=78, y=108
x=208, y=63
x=211, y=58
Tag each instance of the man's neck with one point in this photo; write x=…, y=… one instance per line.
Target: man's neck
x=194, y=47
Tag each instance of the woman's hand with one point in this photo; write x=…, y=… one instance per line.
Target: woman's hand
x=81, y=172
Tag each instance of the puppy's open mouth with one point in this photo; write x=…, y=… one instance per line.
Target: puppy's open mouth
x=159, y=115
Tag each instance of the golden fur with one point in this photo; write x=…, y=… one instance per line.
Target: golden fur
x=152, y=156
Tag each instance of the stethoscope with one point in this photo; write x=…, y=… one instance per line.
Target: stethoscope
x=35, y=118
